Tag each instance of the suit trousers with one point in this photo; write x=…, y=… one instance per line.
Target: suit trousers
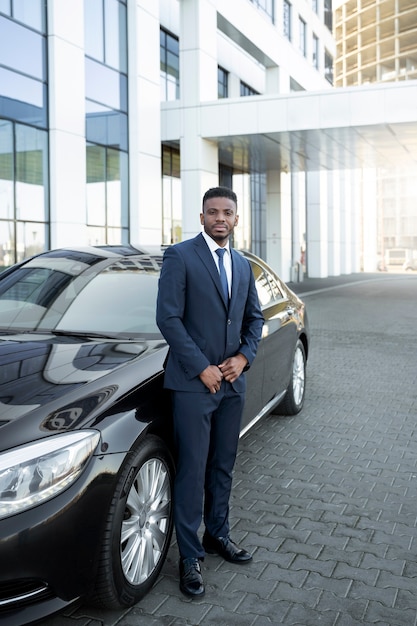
x=206, y=431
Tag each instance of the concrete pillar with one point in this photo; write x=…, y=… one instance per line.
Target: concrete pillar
x=356, y=221
x=278, y=230
x=333, y=217
x=370, y=216
x=298, y=221
x=67, y=123
x=317, y=232
x=198, y=82
x=345, y=199
x=144, y=123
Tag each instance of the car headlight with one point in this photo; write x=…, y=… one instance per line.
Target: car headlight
x=37, y=471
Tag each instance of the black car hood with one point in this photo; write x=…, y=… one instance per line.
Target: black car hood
x=50, y=383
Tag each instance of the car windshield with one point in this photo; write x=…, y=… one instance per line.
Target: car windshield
x=44, y=295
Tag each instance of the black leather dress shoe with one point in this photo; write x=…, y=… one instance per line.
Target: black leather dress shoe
x=191, y=580
x=226, y=548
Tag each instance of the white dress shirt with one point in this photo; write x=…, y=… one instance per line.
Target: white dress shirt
x=227, y=261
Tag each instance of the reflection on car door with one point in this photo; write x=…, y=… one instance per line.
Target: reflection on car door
x=279, y=333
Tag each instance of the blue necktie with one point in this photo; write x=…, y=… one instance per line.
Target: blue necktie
x=223, y=278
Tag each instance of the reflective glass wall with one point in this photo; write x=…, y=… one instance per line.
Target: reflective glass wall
x=171, y=196
x=24, y=206
x=106, y=121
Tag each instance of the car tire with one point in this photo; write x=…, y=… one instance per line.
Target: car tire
x=138, y=527
x=293, y=400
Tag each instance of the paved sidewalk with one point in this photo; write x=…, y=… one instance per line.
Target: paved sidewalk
x=326, y=500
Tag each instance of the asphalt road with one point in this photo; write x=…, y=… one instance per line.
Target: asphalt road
x=326, y=500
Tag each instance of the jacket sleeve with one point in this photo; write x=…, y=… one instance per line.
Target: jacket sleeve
x=170, y=310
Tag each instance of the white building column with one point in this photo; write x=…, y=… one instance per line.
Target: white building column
x=67, y=122
x=370, y=219
x=356, y=221
x=333, y=223
x=198, y=82
x=346, y=233
x=317, y=235
x=144, y=123
x=278, y=241
x=298, y=203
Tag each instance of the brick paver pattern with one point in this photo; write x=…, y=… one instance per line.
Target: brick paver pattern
x=326, y=500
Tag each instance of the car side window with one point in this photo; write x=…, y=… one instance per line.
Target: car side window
x=263, y=287
x=266, y=285
x=275, y=288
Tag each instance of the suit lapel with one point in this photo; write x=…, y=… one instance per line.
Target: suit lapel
x=205, y=255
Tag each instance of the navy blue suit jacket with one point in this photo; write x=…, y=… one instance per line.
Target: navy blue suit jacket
x=196, y=321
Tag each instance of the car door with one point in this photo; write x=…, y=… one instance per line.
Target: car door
x=279, y=332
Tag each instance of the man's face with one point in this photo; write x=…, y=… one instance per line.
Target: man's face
x=219, y=218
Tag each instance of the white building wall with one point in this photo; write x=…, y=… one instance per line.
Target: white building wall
x=144, y=123
x=67, y=122
x=253, y=50
x=198, y=83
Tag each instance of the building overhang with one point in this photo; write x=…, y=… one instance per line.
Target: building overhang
x=371, y=126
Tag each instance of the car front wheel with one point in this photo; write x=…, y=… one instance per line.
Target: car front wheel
x=293, y=400
x=139, y=526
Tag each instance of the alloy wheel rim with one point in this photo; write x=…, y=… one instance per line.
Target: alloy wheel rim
x=145, y=525
x=298, y=376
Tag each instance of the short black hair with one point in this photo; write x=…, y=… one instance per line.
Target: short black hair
x=220, y=192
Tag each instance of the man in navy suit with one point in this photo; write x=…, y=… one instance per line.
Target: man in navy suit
x=209, y=313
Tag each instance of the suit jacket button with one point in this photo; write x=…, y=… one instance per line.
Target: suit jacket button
x=229, y=322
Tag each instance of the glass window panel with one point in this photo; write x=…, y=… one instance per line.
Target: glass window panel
x=22, y=98
x=315, y=51
x=117, y=235
x=115, y=35
x=171, y=196
x=94, y=29
x=96, y=185
x=5, y=7
x=105, y=126
x=102, y=84
x=222, y=83
x=302, y=27
x=31, y=173
x=117, y=213
x=31, y=238
x=171, y=88
x=30, y=12
x=243, y=231
x=7, y=244
x=96, y=236
x=287, y=19
x=123, y=92
x=114, y=196
x=6, y=172
x=21, y=49
x=173, y=64
x=169, y=65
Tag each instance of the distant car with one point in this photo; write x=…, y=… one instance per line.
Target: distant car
x=410, y=265
x=86, y=459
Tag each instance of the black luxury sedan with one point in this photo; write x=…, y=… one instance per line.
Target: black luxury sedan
x=86, y=459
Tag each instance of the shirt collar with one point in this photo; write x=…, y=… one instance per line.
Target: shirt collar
x=213, y=245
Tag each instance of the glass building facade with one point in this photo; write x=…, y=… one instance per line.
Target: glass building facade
x=101, y=106
x=24, y=205
x=106, y=95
